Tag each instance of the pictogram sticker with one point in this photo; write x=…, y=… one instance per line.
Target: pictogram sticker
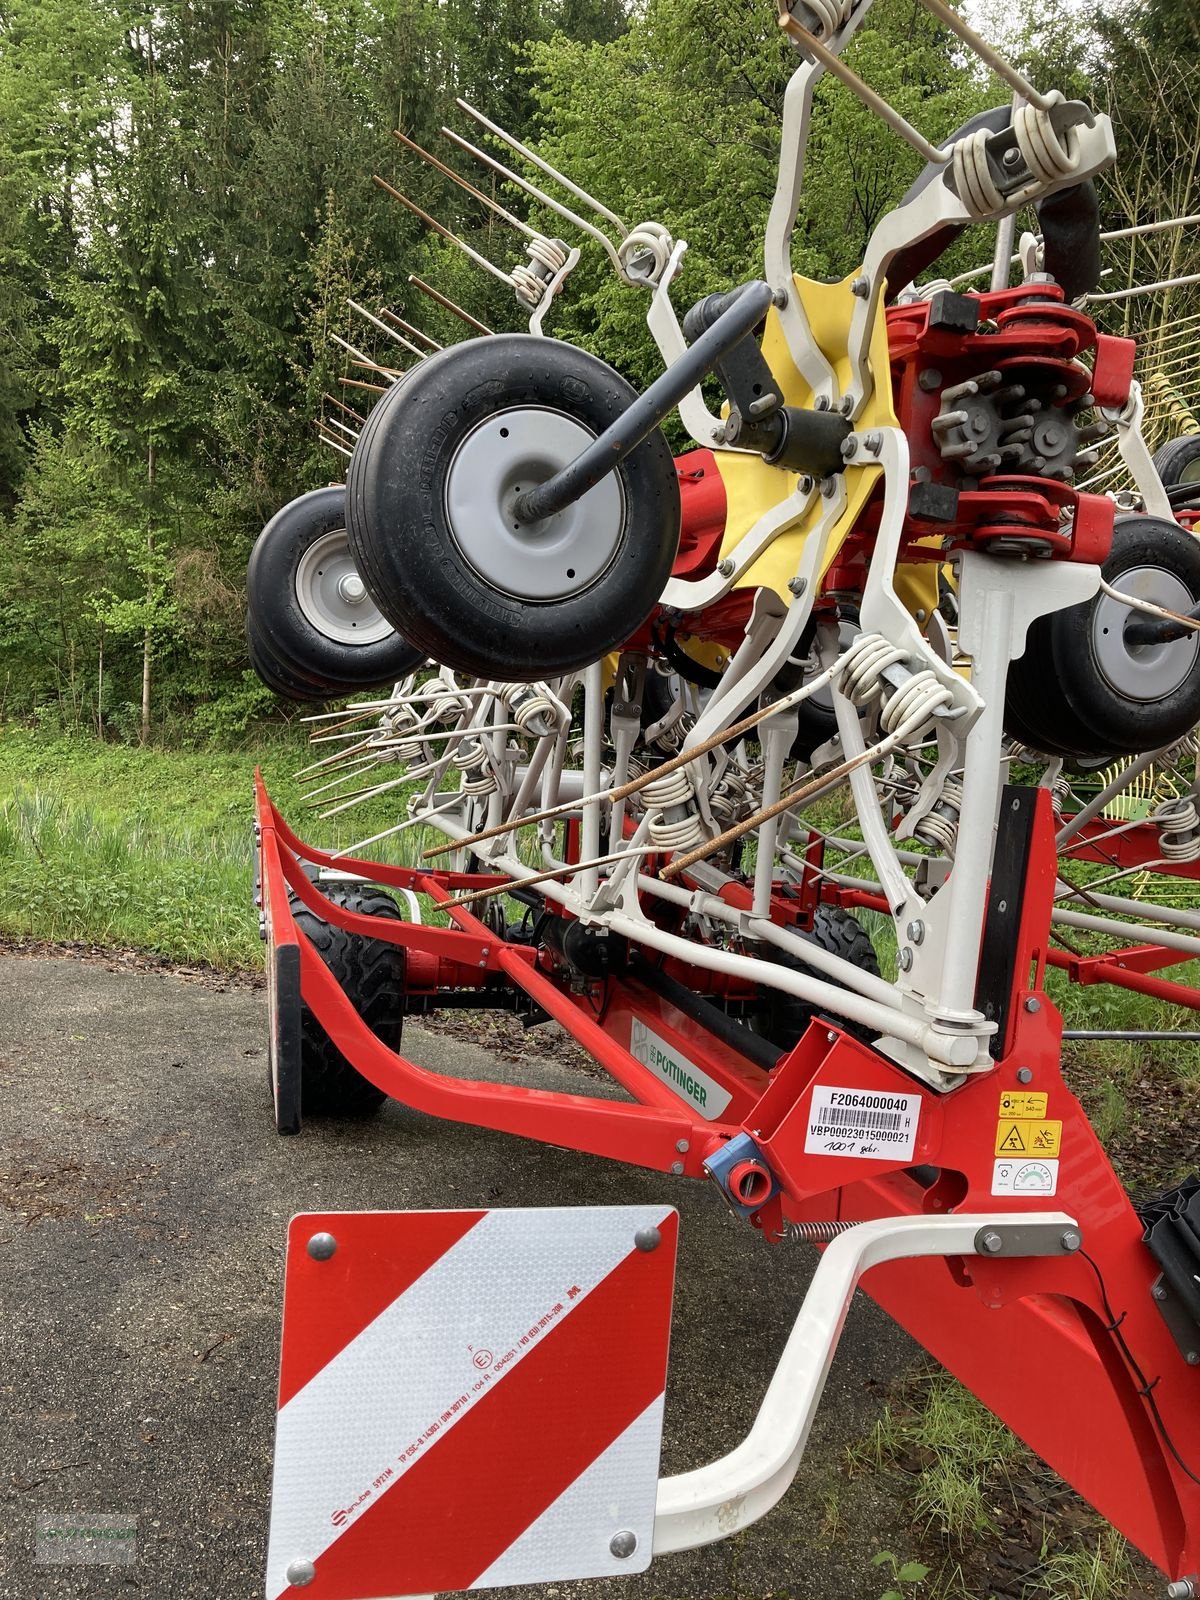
x=1022, y=1103
x=1026, y=1137
x=1021, y=1177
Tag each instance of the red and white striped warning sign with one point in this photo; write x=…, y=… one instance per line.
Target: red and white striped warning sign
x=469, y=1398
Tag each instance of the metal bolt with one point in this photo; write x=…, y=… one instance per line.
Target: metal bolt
x=797, y=586
x=1183, y=1589
x=623, y=1543
x=725, y=567
x=779, y=299
x=262, y=929
x=828, y=487
x=821, y=403
x=830, y=1036
x=682, y=1146
x=1011, y=157
x=1159, y=1292
x=1033, y=1005
x=991, y=1242
x=874, y=441
x=805, y=485
x=916, y=930
x=861, y=287
x=1193, y=1358
x=847, y=404
x=300, y=1573
x=929, y=379
x=677, y=1169
x=905, y=959
x=1070, y=1239
x=1024, y=1074
x=320, y=1247
x=647, y=1239
x=849, y=448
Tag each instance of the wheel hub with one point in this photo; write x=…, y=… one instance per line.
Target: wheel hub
x=333, y=597
x=1143, y=672
x=501, y=458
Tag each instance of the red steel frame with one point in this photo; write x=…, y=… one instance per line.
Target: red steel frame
x=1039, y=1340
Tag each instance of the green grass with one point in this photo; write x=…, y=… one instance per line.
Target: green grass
x=149, y=849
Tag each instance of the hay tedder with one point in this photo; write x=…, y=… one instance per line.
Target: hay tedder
x=679, y=719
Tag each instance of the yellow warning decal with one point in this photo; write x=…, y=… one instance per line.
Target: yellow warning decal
x=1027, y=1137
x=1022, y=1103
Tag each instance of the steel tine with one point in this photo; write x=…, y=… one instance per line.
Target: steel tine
x=398, y=338
x=456, y=177
x=357, y=383
x=543, y=166
x=409, y=328
x=539, y=194
x=342, y=406
x=432, y=222
x=399, y=827
x=448, y=305
x=950, y=18
x=333, y=444
x=342, y=427
x=361, y=358
x=374, y=366
x=415, y=349
x=355, y=770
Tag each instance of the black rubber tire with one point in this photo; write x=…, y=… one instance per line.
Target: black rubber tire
x=282, y=680
x=1057, y=692
x=784, y=1018
x=1173, y=460
x=285, y=634
x=405, y=549
x=371, y=974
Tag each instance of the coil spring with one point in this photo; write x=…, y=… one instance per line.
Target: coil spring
x=674, y=793
x=728, y=800
x=939, y=827
x=468, y=754
x=1046, y=155
x=446, y=700
x=399, y=726
x=1178, y=823
x=815, y=1232
x=529, y=279
x=479, y=781
x=531, y=706
x=830, y=14
x=862, y=668
x=1060, y=793
x=644, y=253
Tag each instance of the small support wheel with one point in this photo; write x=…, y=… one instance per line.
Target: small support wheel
x=432, y=490
x=1178, y=461
x=783, y=1018
x=309, y=618
x=1082, y=690
x=371, y=974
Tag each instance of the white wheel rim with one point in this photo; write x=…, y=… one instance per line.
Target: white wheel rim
x=332, y=596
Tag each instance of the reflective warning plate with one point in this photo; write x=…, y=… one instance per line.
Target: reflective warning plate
x=469, y=1398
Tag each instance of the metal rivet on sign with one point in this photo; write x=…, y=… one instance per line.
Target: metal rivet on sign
x=647, y=1239
x=320, y=1247
x=991, y=1242
x=300, y=1573
x=623, y=1543
x=1024, y=1074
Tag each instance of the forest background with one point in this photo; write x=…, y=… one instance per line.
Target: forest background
x=186, y=204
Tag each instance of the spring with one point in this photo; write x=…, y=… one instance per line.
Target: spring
x=479, y=781
x=445, y=700
x=972, y=177
x=915, y=702
x=830, y=15
x=400, y=726
x=1060, y=793
x=531, y=706
x=468, y=754
x=939, y=827
x=1046, y=155
x=1178, y=823
x=644, y=253
x=729, y=797
x=674, y=821
x=529, y=279
x=862, y=664
x=815, y=1232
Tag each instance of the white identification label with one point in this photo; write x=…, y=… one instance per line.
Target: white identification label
x=865, y=1123
x=1035, y=1176
x=687, y=1080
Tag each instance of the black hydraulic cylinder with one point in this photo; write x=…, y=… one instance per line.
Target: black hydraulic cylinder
x=624, y=435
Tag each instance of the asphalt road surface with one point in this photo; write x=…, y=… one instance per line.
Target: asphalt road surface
x=144, y=1198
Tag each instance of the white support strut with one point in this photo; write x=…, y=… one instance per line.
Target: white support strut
x=713, y=1502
